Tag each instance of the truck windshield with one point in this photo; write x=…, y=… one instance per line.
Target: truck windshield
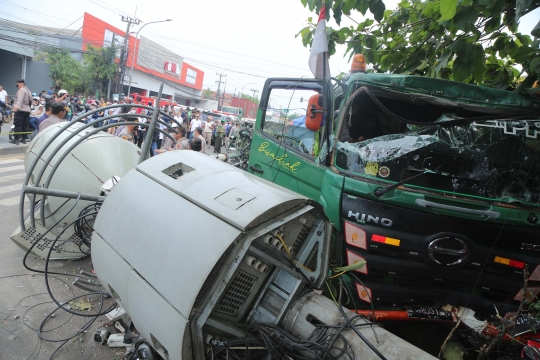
x=493, y=159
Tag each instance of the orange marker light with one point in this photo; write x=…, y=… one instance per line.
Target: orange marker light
x=353, y=258
x=358, y=63
x=355, y=236
x=364, y=293
x=385, y=240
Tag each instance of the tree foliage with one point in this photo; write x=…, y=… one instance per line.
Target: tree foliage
x=207, y=94
x=254, y=99
x=473, y=41
x=99, y=66
x=65, y=71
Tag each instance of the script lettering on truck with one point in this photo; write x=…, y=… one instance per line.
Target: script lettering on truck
x=370, y=218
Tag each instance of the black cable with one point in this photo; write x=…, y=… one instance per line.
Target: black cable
x=46, y=272
x=368, y=293
x=366, y=341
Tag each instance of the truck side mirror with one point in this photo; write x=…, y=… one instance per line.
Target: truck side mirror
x=314, y=114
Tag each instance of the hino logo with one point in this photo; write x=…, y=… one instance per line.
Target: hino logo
x=370, y=218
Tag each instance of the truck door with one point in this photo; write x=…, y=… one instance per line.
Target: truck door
x=283, y=150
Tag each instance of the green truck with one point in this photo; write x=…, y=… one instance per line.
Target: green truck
x=434, y=184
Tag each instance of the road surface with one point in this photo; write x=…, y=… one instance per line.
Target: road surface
x=24, y=300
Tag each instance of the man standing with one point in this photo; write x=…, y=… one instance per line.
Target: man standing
x=3, y=97
x=23, y=99
x=58, y=111
x=208, y=129
x=51, y=91
x=195, y=123
x=228, y=128
x=220, y=132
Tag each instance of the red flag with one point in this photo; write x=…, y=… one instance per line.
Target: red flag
x=318, y=57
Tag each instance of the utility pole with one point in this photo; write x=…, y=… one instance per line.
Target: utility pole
x=224, y=92
x=219, y=87
x=254, y=91
x=123, y=54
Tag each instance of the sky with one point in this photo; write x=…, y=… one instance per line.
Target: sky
x=248, y=40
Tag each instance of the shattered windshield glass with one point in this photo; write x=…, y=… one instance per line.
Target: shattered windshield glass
x=495, y=159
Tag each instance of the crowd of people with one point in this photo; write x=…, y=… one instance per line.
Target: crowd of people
x=35, y=112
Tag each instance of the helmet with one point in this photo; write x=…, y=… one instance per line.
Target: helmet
x=62, y=92
x=34, y=94
x=35, y=98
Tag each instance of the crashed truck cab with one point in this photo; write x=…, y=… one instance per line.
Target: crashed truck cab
x=434, y=183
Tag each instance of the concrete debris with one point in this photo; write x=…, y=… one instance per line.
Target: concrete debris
x=115, y=314
x=117, y=340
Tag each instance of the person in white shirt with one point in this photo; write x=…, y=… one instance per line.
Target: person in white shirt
x=195, y=123
x=3, y=97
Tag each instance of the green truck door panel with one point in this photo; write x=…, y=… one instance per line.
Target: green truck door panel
x=284, y=167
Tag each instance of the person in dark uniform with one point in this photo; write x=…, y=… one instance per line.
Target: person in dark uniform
x=21, y=119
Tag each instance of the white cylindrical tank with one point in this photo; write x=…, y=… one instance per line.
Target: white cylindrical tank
x=85, y=169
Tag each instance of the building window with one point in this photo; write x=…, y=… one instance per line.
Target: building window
x=191, y=76
x=110, y=39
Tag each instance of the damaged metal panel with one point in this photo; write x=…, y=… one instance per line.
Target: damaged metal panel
x=494, y=159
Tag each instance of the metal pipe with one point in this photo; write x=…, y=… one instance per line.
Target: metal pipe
x=62, y=193
x=135, y=49
x=75, y=144
x=40, y=153
x=150, y=132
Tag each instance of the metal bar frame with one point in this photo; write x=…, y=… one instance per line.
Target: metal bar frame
x=151, y=128
x=33, y=165
x=62, y=193
x=68, y=151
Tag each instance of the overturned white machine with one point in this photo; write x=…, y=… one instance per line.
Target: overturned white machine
x=206, y=258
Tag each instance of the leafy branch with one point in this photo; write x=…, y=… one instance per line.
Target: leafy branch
x=463, y=40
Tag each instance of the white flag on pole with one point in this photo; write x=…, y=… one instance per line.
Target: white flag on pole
x=318, y=58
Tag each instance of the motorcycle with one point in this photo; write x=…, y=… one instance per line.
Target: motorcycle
x=6, y=117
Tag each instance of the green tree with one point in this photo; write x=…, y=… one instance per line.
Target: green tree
x=473, y=41
x=100, y=66
x=65, y=71
x=208, y=94
x=254, y=99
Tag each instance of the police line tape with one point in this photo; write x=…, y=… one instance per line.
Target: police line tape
x=17, y=133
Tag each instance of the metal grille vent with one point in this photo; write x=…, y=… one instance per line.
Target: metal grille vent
x=211, y=279
x=237, y=294
x=300, y=239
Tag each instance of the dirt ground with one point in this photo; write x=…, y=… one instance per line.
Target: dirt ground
x=24, y=301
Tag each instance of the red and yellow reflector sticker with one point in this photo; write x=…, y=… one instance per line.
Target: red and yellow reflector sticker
x=385, y=240
x=513, y=263
x=355, y=236
x=364, y=293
